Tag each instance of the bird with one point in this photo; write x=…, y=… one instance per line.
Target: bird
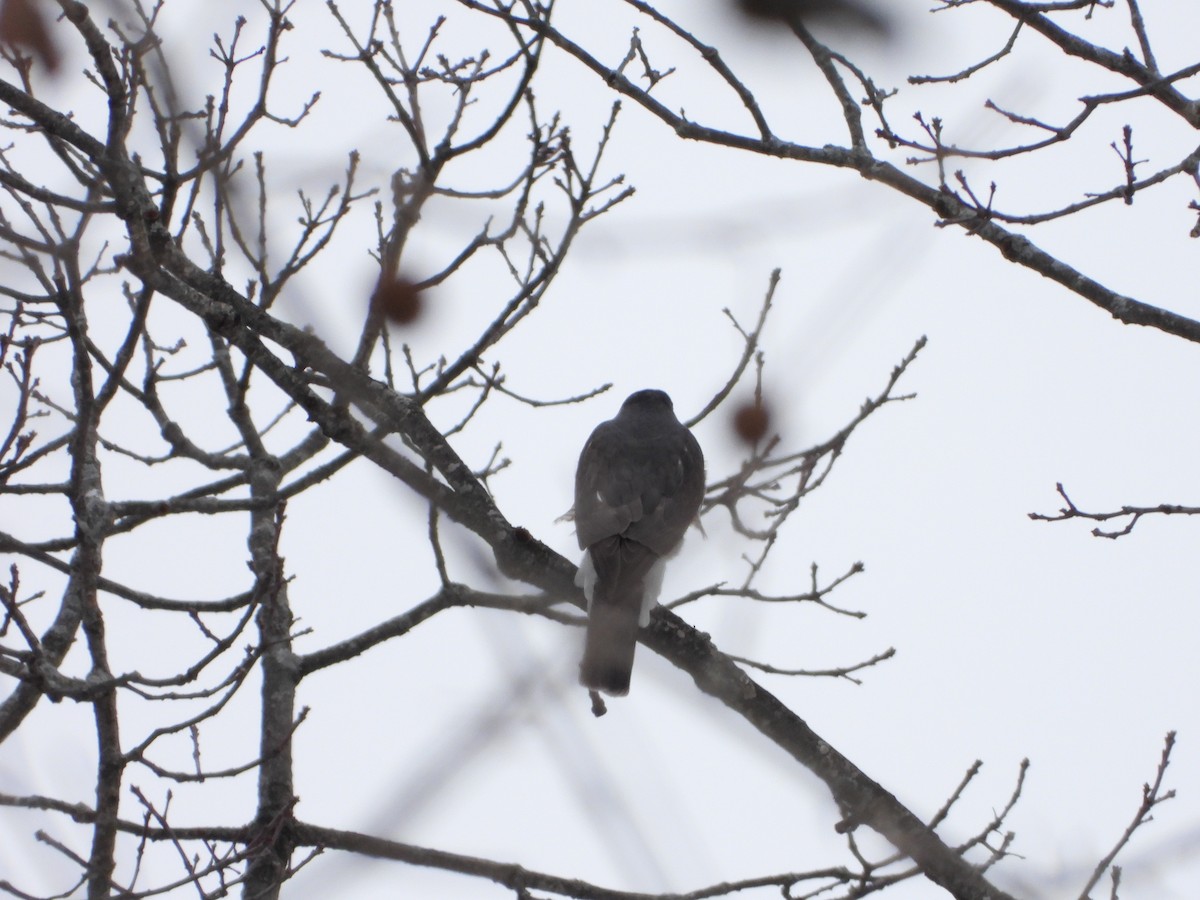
x=638, y=487
x=850, y=15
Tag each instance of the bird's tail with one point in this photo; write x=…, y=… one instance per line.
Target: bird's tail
x=616, y=603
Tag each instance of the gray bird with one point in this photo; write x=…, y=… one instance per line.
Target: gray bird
x=638, y=486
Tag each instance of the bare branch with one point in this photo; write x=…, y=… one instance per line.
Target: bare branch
x=1132, y=513
x=1152, y=796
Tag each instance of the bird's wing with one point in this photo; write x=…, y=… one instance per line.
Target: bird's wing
x=604, y=504
x=647, y=488
x=672, y=490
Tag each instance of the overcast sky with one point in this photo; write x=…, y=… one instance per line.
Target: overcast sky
x=1014, y=639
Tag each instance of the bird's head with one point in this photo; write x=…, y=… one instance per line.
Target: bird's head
x=649, y=400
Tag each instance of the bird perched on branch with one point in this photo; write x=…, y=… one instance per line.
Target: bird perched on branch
x=639, y=485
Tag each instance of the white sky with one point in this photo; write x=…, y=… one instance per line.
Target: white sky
x=1014, y=639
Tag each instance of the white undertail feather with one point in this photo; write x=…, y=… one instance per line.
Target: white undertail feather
x=585, y=578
